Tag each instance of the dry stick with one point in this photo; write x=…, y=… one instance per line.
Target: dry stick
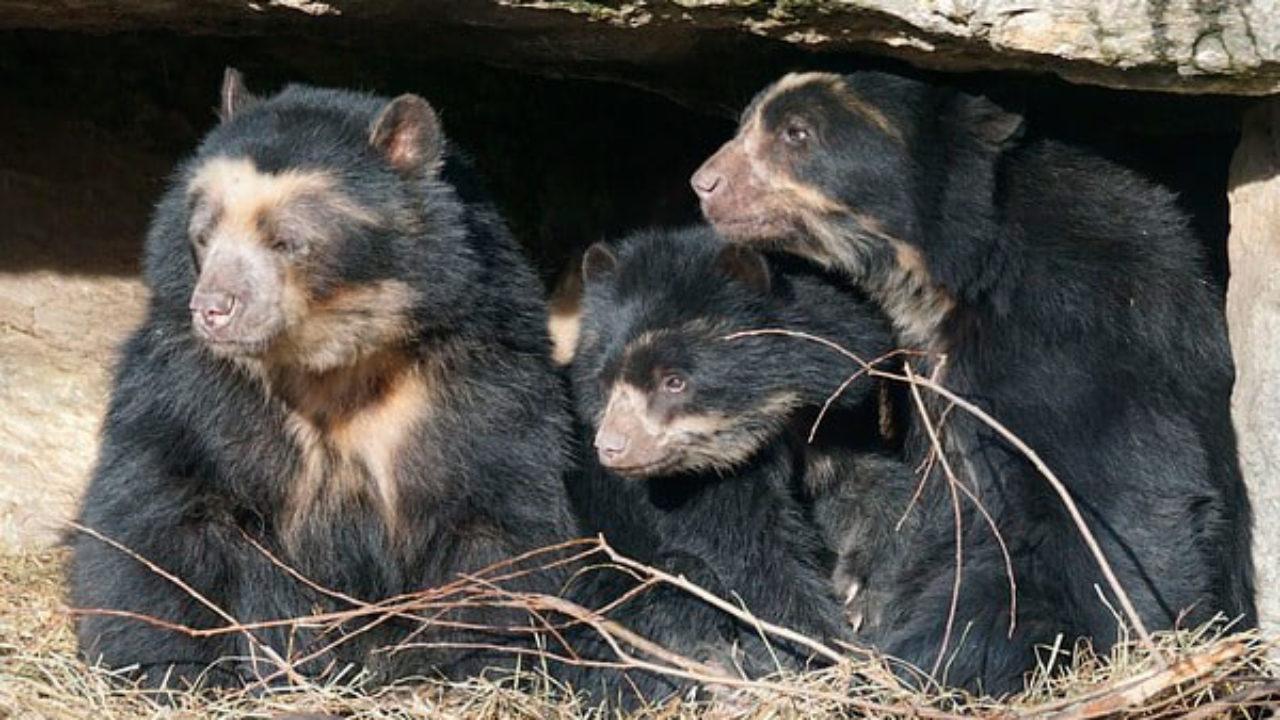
x=460, y=584
x=926, y=466
x=954, y=480
x=936, y=452
x=931, y=458
x=385, y=610
x=617, y=630
x=426, y=623
x=1228, y=655
x=291, y=572
x=608, y=629
x=505, y=649
x=389, y=611
x=813, y=430
x=532, y=610
x=924, y=470
x=344, y=637
x=320, y=621
x=644, y=584
x=394, y=611
x=706, y=676
x=253, y=641
x=959, y=525
x=1242, y=698
x=1175, y=704
x=728, y=607
x=1138, y=690
x=697, y=671
x=382, y=610
x=1058, y=487
x=171, y=626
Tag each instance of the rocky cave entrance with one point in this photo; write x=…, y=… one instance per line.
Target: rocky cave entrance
x=574, y=151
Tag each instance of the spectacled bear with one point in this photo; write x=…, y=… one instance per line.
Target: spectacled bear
x=698, y=460
x=1069, y=301
x=344, y=361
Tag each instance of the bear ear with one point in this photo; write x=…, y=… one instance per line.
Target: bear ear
x=746, y=266
x=991, y=122
x=235, y=97
x=407, y=133
x=598, y=262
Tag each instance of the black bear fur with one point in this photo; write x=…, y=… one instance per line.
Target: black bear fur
x=1062, y=294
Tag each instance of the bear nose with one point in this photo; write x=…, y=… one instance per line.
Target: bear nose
x=705, y=182
x=213, y=310
x=610, y=446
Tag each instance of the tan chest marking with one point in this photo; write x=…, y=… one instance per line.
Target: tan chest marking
x=913, y=301
x=357, y=457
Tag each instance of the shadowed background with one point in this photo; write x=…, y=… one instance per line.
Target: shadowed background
x=581, y=134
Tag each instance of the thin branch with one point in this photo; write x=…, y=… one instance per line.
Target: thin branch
x=959, y=525
x=192, y=592
x=1064, y=495
x=727, y=607
x=954, y=480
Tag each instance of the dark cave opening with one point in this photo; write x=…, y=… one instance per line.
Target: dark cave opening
x=94, y=123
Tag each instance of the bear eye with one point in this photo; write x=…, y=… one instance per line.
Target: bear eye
x=286, y=245
x=795, y=133
x=673, y=384
x=200, y=233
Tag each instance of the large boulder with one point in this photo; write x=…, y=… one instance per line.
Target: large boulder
x=1175, y=45
x=1253, y=312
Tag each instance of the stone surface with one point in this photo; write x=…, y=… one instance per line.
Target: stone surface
x=1253, y=314
x=69, y=224
x=1175, y=45
x=54, y=370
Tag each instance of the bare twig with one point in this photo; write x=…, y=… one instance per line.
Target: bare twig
x=817, y=421
x=728, y=607
x=954, y=481
x=1064, y=495
x=1139, y=690
x=192, y=592
x=959, y=525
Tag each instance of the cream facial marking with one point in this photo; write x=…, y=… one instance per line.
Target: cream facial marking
x=243, y=195
x=841, y=90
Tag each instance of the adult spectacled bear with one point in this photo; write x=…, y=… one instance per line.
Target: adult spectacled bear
x=1062, y=294
x=344, y=363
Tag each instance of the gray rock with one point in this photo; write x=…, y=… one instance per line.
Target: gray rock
x=1173, y=45
x=1253, y=314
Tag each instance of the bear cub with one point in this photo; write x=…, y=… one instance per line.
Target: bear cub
x=700, y=458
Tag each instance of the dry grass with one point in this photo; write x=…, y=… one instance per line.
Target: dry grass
x=1213, y=674
x=1205, y=672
